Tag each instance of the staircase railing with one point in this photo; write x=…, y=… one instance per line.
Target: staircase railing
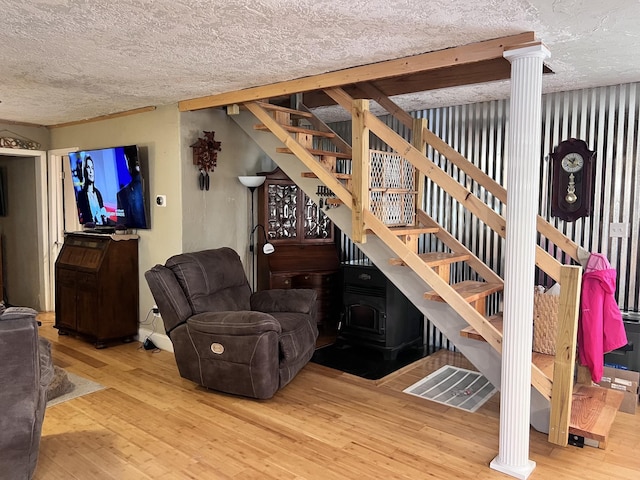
x=568, y=277
x=489, y=184
x=363, y=220
x=427, y=167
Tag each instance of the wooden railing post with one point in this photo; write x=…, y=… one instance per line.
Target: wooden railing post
x=359, y=170
x=564, y=365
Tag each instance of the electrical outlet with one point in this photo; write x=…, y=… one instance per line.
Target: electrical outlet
x=618, y=230
x=161, y=200
x=155, y=310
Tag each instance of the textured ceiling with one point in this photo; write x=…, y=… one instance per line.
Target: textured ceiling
x=67, y=60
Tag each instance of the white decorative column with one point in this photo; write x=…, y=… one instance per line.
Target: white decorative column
x=523, y=185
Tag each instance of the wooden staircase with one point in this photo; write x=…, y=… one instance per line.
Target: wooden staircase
x=467, y=298
x=440, y=262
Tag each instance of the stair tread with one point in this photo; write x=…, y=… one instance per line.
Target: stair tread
x=339, y=176
x=443, y=258
x=470, y=290
x=314, y=151
x=470, y=332
x=593, y=410
x=279, y=108
x=435, y=259
x=294, y=129
x=542, y=361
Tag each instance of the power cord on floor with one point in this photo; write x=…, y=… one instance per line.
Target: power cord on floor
x=148, y=343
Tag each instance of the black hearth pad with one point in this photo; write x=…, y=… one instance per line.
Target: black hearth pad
x=365, y=362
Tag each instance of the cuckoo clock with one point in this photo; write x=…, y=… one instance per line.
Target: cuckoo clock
x=572, y=188
x=205, y=156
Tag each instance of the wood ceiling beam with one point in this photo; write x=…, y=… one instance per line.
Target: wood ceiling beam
x=459, y=75
x=463, y=55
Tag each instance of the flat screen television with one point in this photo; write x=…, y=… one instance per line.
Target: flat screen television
x=109, y=188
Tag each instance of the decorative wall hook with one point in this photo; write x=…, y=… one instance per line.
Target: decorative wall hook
x=205, y=157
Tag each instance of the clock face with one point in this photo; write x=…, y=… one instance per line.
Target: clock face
x=572, y=162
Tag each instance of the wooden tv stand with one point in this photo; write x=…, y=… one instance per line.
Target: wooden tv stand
x=97, y=287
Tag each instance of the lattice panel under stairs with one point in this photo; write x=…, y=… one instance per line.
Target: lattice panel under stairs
x=392, y=188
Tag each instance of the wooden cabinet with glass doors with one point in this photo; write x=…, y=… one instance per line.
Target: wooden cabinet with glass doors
x=305, y=253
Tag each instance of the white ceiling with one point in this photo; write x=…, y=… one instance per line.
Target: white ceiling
x=67, y=60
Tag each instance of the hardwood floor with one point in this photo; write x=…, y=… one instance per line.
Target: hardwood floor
x=148, y=423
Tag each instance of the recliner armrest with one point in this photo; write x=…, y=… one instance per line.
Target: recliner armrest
x=239, y=323
x=12, y=313
x=297, y=300
x=169, y=296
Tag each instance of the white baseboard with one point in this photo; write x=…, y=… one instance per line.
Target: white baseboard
x=159, y=339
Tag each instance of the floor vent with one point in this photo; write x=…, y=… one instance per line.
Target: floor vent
x=454, y=387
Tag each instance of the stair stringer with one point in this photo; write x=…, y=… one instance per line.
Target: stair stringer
x=445, y=318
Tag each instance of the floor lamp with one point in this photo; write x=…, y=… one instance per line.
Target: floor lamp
x=252, y=182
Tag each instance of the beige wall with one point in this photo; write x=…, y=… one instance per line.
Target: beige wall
x=193, y=219
x=157, y=133
x=36, y=134
x=19, y=232
x=218, y=217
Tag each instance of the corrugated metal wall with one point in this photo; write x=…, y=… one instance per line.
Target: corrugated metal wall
x=606, y=118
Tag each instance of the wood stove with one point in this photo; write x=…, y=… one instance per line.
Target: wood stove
x=375, y=313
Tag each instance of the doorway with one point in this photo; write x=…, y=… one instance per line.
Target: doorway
x=25, y=229
x=60, y=219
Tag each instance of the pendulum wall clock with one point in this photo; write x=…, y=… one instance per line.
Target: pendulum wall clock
x=572, y=188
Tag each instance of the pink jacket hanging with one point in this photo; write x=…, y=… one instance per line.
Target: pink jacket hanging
x=600, y=328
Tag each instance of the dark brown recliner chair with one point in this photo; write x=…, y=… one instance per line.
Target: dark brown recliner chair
x=226, y=338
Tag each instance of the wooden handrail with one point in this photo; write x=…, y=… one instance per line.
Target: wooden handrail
x=489, y=184
x=301, y=152
x=472, y=203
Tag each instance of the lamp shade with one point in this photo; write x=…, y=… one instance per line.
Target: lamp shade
x=268, y=248
x=252, y=180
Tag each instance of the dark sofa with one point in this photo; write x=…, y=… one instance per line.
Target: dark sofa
x=26, y=369
x=225, y=337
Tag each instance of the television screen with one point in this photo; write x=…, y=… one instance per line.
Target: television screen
x=109, y=187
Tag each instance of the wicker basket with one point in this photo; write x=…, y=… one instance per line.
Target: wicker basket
x=545, y=323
